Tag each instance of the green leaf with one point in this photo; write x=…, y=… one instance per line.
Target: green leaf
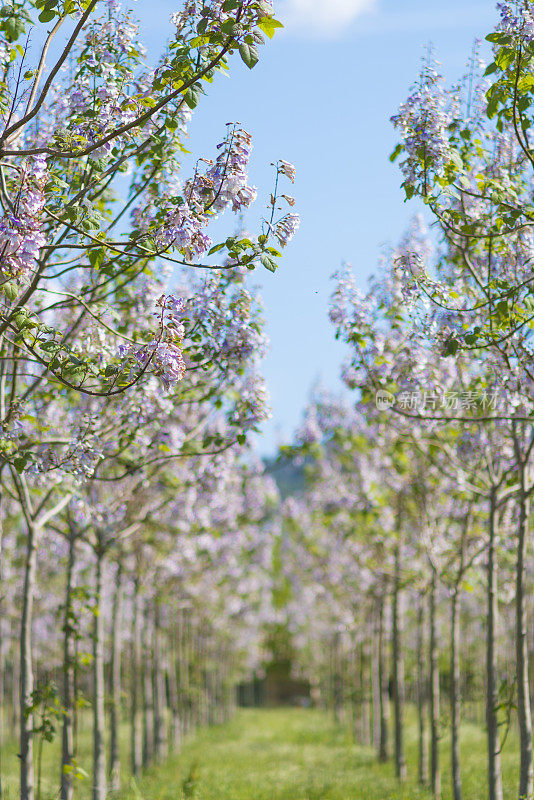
x=191, y=97
x=269, y=25
x=396, y=153
x=96, y=257
x=216, y=248
x=249, y=54
x=11, y=290
x=20, y=464
x=505, y=58
x=46, y=16
x=499, y=38
x=268, y=262
x=526, y=83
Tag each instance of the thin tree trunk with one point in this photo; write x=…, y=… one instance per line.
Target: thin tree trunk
x=494, y=758
x=337, y=690
x=15, y=685
x=148, y=719
x=364, y=689
x=159, y=695
x=2, y=653
x=398, y=670
x=99, y=755
x=421, y=694
x=435, y=775
x=116, y=688
x=69, y=654
x=2, y=665
x=526, y=773
x=136, y=731
x=375, y=687
x=175, y=723
x=26, y=669
x=455, y=697
x=383, y=749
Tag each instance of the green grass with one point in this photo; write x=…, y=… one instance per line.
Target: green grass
x=296, y=754
x=283, y=754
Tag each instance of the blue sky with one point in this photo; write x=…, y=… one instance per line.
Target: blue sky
x=321, y=97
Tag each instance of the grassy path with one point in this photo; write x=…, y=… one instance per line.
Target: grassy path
x=294, y=754
x=280, y=754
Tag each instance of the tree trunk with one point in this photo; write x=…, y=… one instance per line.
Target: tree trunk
x=455, y=697
x=136, y=731
x=2, y=652
x=421, y=694
x=435, y=776
x=148, y=718
x=160, y=739
x=383, y=750
x=2, y=660
x=116, y=689
x=69, y=655
x=364, y=689
x=355, y=692
x=337, y=687
x=175, y=722
x=375, y=687
x=526, y=774
x=99, y=755
x=26, y=669
x=398, y=670
x=494, y=758
x=15, y=684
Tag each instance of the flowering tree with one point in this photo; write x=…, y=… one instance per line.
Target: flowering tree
x=466, y=152
x=93, y=202
x=395, y=364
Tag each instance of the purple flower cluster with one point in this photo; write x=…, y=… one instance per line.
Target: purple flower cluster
x=178, y=217
x=422, y=122
x=286, y=228
x=162, y=355
x=225, y=183
x=21, y=234
x=516, y=20
x=349, y=309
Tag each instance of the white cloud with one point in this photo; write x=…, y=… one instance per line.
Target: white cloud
x=323, y=17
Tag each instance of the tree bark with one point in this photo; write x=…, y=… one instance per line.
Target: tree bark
x=136, y=731
x=116, y=687
x=398, y=669
x=175, y=722
x=364, y=689
x=383, y=749
x=2, y=652
x=494, y=758
x=69, y=655
x=148, y=710
x=526, y=773
x=421, y=694
x=99, y=755
x=455, y=697
x=337, y=688
x=366, y=684
x=26, y=669
x=15, y=684
x=159, y=695
x=375, y=687
x=435, y=775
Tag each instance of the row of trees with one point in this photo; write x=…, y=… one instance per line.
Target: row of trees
x=134, y=578
x=411, y=543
